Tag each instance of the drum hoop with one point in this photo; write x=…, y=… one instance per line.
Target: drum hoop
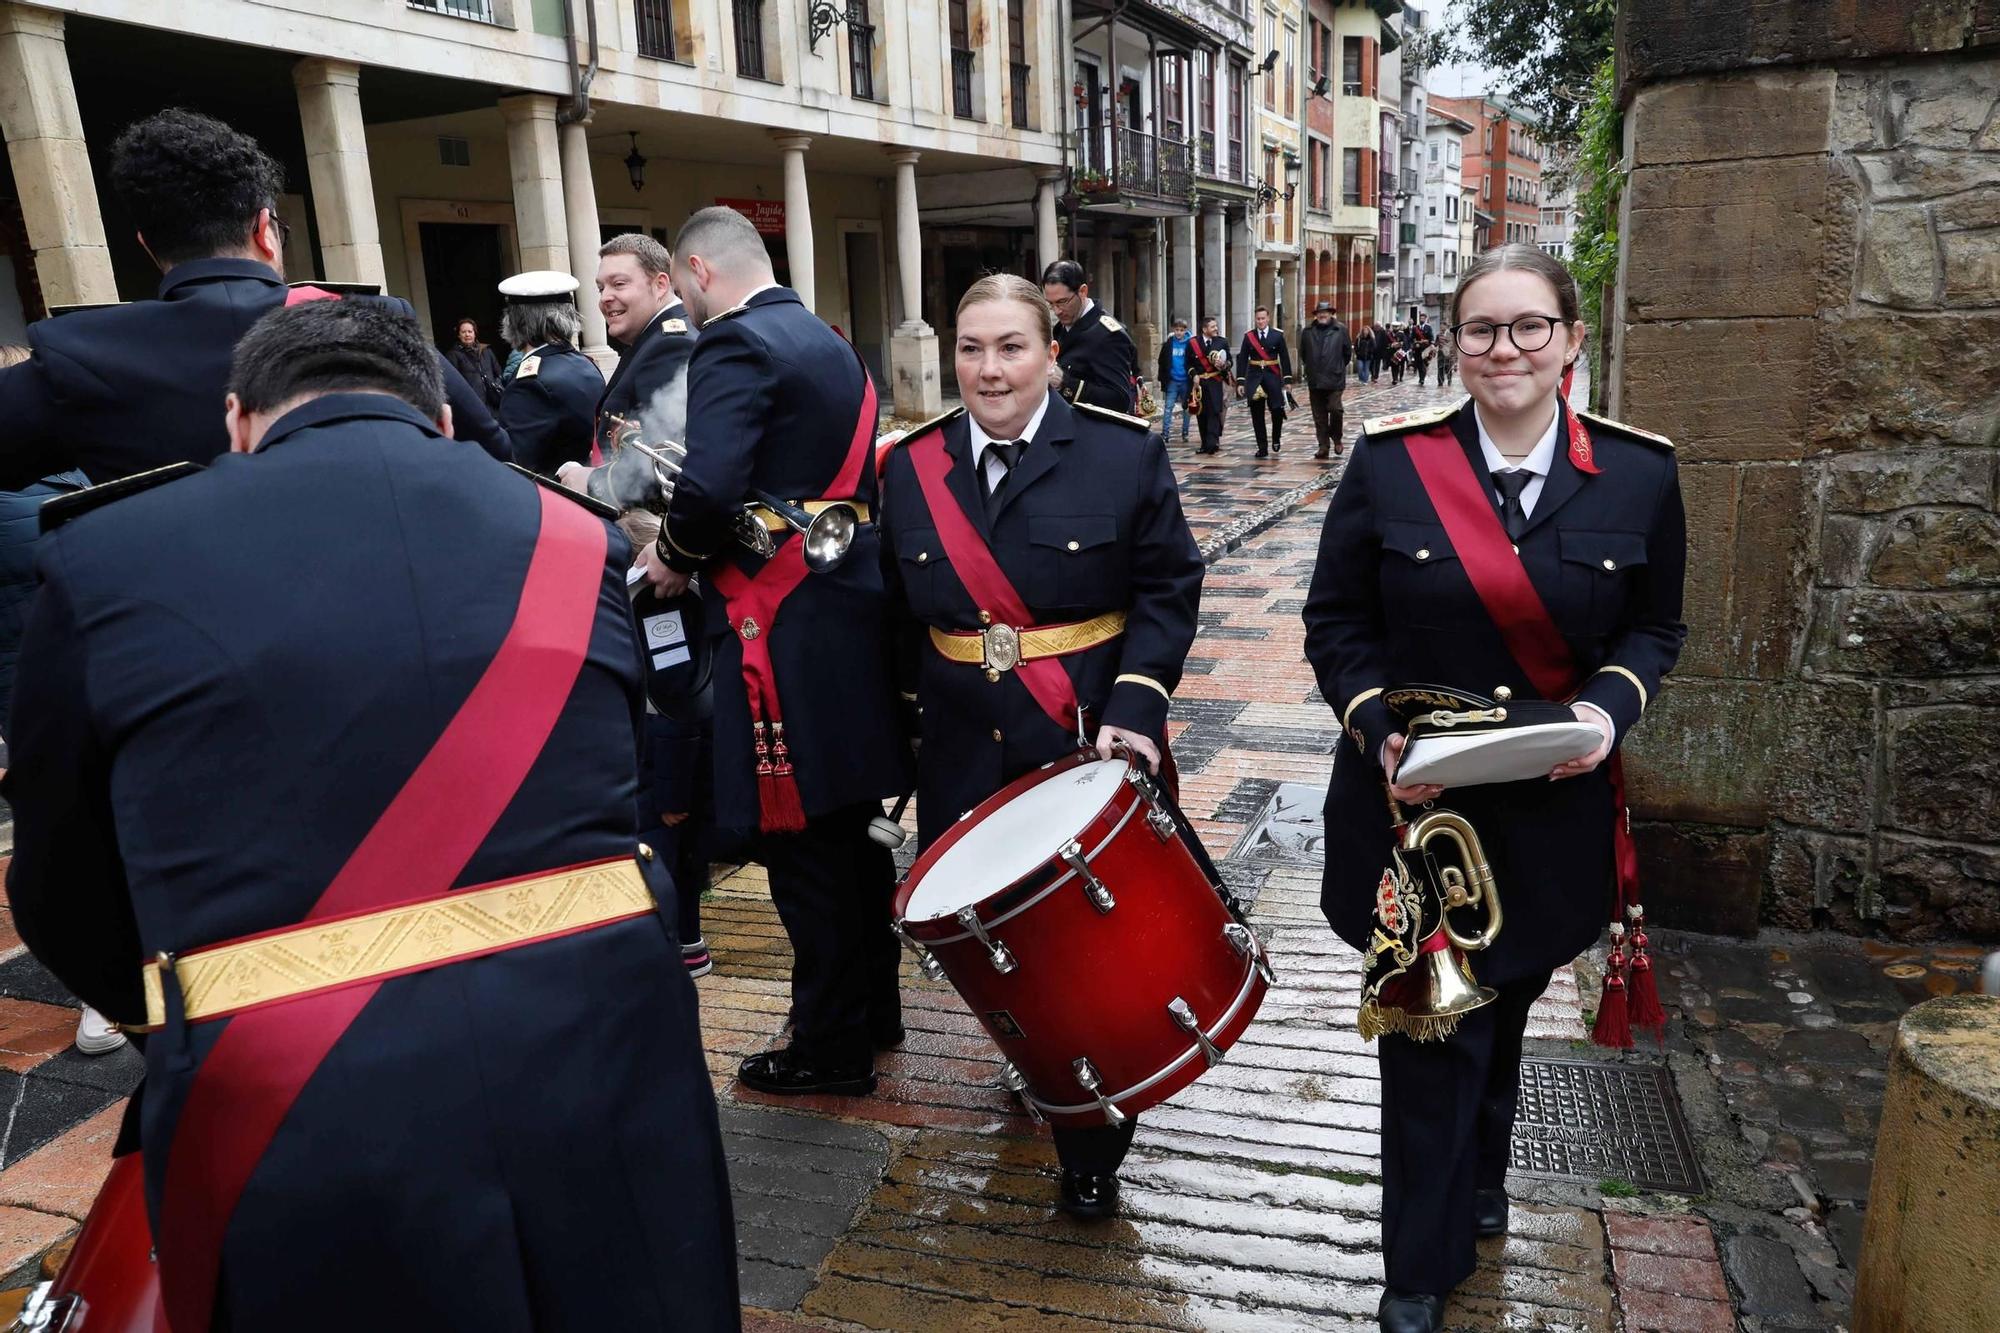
x=1250, y=980
x=1047, y=889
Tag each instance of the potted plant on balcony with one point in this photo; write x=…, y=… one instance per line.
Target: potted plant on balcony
x=1091, y=181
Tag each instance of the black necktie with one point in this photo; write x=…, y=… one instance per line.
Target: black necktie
x=1009, y=453
x=1511, y=482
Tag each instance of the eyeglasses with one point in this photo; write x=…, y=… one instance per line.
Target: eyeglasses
x=284, y=229
x=1529, y=333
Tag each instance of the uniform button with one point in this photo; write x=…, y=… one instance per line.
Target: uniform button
x=922, y=556
x=996, y=733
x=1517, y=550
x=1074, y=546
x=1609, y=563
x=1424, y=553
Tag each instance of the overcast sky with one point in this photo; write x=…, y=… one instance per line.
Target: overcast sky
x=1451, y=80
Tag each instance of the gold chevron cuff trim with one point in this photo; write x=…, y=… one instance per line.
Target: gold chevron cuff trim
x=667, y=536
x=1348, y=713
x=1621, y=671
x=342, y=951
x=1147, y=681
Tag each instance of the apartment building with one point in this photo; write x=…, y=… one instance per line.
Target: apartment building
x=1277, y=164
x=434, y=146
x=1441, y=199
x=1557, y=215
x=1503, y=159
x=1345, y=43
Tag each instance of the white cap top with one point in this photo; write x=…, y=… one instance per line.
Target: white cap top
x=539, y=284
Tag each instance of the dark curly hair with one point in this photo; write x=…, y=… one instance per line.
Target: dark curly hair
x=191, y=184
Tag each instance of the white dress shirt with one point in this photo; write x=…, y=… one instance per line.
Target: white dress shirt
x=991, y=468
x=1539, y=460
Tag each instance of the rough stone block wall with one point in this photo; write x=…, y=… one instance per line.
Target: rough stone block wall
x=1809, y=304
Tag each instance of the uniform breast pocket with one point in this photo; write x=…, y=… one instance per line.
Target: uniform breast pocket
x=1423, y=583
x=1076, y=561
x=1599, y=571
x=926, y=571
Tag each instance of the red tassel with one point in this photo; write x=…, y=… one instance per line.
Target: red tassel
x=778, y=790
x=1647, y=1012
x=1613, y=1027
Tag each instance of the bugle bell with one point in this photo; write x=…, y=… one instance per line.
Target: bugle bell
x=827, y=536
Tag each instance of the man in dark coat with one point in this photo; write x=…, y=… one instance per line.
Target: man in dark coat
x=635, y=290
x=134, y=387
x=806, y=735
x=550, y=406
x=1213, y=378
x=1263, y=368
x=1323, y=354
x=215, y=746
x=1096, y=360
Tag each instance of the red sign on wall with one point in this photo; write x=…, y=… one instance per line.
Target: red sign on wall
x=767, y=215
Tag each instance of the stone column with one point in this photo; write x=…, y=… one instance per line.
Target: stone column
x=38, y=115
x=1046, y=244
x=798, y=215
x=1182, y=301
x=580, y=220
x=1146, y=322
x=1267, y=286
x=1215, y=286
x=541, y=228
x=350, y=244
x=913, y=347
x=1242, y=273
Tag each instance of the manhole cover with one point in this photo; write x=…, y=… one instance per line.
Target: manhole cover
x=1287, y=826
x=1583, y=1121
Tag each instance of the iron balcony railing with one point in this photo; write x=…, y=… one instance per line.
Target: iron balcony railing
x=1017, y=93
x=1236, y=162
x=1147, y=165
x=480, y=11
x=1205, y=153
x=656, y=28
x=961, y=83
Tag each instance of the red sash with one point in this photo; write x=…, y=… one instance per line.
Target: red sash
x=1498, y=577
x=751, y=602
x=1052, y=689
x=1258, y=343
x=244, y=1089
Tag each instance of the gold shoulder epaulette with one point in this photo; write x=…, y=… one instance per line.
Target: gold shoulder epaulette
x=1111, y=324
x=590, y=502
x=60, y=509
x=530, y=367
x=1622, y=428
x=1402, y=421
x=673, y=326
x=1122, y=418
x=918, y=430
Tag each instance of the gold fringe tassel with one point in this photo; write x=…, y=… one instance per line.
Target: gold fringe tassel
x=1375, y=1019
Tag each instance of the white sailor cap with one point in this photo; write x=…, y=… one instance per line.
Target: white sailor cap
x=538, y=285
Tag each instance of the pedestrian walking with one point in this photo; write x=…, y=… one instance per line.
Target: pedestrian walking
x=1364, y=354
x=1212, y=382
x=1507, y=511
x=463, y=637
x=1399, y=356
x=475, y=361
x=1263, y=368
x=1323, y=353
x=806, y=722
x=1177, y=368
x=1095, y=359
x=1420, y=353
x=997, y=483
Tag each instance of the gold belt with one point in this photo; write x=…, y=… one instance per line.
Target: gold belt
x=775, y=522
x=412, y=937
x=1266, y=364
x=1001, y=648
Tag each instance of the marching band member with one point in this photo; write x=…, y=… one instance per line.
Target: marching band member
x=1211, y=381
x=1263, y=368
x=1096, y=361
x=635, y=292
x=1072, y=514
x=467, y=756
x=806, y=741
x=550, y=406
x=1508, y=546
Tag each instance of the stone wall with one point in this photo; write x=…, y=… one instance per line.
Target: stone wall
x=1809, y=305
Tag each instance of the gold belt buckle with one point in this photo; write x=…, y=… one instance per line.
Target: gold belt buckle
x=1002, y=646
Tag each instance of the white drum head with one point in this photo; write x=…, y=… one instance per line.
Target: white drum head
x=1495, y=756
x=1013, y=840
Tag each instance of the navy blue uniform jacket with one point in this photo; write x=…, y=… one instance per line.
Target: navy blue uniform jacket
x=773, y=398
x=225, y=682
x=1090, y=522
x=649, y=365
x=1272, y=378
x=550, y=408
x=1391, y=605
x=141, y=385
x=1099, y=362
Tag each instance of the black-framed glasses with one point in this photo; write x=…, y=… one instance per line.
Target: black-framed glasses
x=1529, y=333
x=284, y=230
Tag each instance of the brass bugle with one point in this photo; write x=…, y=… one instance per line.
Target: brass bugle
x=828, y=535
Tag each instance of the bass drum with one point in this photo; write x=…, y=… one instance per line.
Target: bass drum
x=109, y=1283
x=1070, y=916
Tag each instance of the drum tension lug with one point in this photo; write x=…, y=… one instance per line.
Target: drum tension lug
x=1093, y=887
x=1184, y=1017
x=926, y=960
x=996, y=952
x=1158, y=817
x=1244, y=942
x=1016, y=1082
x=1086, y=1075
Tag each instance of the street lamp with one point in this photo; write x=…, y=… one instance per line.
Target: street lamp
x=1292, y=169
x=635, y=165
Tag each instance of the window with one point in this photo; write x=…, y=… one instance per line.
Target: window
x=1173, y=127
x=1451, y=206
x=1434, y=153
x=1017, y=63
x=1313, y=66
x=1238, y=75
x=1350, y=66
x=656, y=28
x=1451, y=152
x=479, y=11
x=1430, y=263
x=1350, y=176
x=1451, y=263
x=1433, y=208
x=860, y=51
x=1204, y=108
x=1270, y=44
x=1291, y=70
x=749, y=16
x=961, y=59
x=1322, y=55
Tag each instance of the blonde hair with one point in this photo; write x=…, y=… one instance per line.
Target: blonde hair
x=13, y=354
x=1012, y=287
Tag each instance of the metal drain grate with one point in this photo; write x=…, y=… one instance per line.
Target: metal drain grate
x=1584, y=1121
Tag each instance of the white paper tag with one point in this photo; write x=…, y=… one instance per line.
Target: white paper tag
x=664, y=630
x=671, y=657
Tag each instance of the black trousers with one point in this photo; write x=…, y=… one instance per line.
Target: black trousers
x=1327, y=417
x=1272, y=402
x=833, y=887
x=1214, y=402
x=1447, y=1115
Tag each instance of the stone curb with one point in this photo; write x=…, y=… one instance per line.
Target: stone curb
x=1233, y=536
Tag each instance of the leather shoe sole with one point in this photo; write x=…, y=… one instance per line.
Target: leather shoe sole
x=1410, y=1313
x=1489, y=1213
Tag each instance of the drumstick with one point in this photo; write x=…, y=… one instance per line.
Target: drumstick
x=889, y=830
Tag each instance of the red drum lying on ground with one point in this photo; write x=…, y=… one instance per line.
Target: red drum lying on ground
x=109, y=1283
x=1083, y=934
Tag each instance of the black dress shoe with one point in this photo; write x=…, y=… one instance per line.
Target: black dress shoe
x=1089, y=1196
x=1402, y=1312
x=1489, y=1212
x=788, y=1074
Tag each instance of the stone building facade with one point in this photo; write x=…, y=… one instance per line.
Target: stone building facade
x=1809, y=304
